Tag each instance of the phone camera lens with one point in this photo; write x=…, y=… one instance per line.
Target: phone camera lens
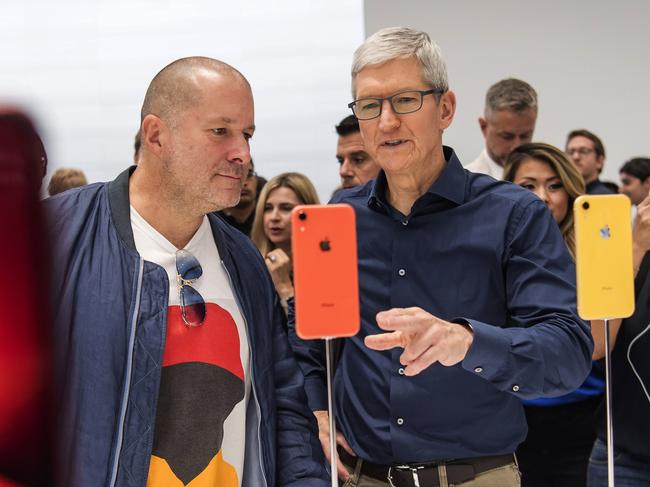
x=302, y=215
x=585, y=205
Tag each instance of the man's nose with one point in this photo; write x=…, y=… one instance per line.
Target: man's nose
x=345, y=169
x=239, y=152
x=574, y=155
x=388, y=119
x=517, y=141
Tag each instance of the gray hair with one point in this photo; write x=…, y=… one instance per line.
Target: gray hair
x=402, y=42
x=512, y=95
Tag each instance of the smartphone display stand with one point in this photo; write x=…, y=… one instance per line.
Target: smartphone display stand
x=330, y=410
x=608, y=403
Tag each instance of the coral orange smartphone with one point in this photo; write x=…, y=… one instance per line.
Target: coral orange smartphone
x=325, y=277
x=605, y=278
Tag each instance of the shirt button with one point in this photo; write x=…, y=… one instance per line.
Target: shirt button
x=478, y=370
x=400, y=421
x=405, y=222
x=401, y=371
x=515, y=388
x=401, y=272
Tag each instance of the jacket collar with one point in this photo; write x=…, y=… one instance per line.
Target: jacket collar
x=118, y=201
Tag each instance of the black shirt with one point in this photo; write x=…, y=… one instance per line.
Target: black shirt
x=244, y=227
x=630, y=406
x=597, y=187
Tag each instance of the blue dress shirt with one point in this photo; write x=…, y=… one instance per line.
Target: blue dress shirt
x=472, y=250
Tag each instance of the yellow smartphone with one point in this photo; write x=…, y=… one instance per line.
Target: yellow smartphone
x=605, y=278
x=324, y=254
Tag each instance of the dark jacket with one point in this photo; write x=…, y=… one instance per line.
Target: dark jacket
x=110, y=311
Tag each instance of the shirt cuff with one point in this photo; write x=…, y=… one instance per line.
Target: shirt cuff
x=489, y=352
x=316, y=394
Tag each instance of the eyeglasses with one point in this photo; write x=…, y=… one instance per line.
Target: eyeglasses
x=251, y=174
x=189, y=270
x=403, y=102
x=583, y=151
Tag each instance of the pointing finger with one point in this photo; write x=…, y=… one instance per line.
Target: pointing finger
x=385, y=341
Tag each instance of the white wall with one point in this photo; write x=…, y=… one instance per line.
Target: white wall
x=81, y=68
x=589, y=61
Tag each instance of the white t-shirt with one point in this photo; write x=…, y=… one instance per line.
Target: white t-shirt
x=200, y=430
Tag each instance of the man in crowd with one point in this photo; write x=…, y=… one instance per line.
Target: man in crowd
x=241, y=215
x=587, y=152
x=508, y=121
x=172, y=363
x=137, y=143
x=64, y=179
x=356, y=167
x=462, y=314
x=635, y=179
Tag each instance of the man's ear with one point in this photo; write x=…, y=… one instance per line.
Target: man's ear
x=155, y=134
x=646, y=183
x=600, y=163
x=483, y=124
x=447, y=109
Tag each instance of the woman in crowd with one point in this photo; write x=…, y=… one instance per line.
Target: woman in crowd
x=630, y=342
x=272, y=226
x=561, y=430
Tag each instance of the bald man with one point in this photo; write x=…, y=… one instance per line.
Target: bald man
x=173, y=366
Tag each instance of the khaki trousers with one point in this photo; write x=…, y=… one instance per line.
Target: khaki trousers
x=506, y=476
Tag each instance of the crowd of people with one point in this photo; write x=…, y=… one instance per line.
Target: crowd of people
x=176, y=357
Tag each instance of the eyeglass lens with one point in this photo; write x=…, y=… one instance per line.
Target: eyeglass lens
x=583, y=151
x=405, y=102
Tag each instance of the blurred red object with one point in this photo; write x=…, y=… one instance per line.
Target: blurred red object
x=25, y=357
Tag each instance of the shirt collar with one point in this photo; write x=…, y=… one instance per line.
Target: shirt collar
x=450, y=184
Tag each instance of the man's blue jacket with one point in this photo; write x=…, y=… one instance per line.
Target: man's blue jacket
x=110, y=313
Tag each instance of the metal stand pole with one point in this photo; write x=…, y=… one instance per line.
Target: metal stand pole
x=608, y=402
x=330, y=411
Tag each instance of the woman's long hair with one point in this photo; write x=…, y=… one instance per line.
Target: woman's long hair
x=299, y=184
x=571, y=179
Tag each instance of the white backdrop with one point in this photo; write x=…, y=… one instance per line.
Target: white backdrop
x=81, y=69
x=589, y=61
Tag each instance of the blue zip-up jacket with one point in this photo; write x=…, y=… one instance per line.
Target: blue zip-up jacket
x=110, y=314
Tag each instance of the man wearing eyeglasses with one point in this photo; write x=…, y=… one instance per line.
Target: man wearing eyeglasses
x=241, y=215
x=467, y=294
x=173, y=366
x=587, y=152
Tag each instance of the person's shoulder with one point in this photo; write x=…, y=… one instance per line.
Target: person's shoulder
x=355, y=195
x=75, y=198
x=484, y=186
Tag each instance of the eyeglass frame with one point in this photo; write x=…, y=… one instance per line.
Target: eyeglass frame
x=422, y=93
x=583, y=151
x=181, y=283
x=251, y=174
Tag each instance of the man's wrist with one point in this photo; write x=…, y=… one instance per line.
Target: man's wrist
x=285, y=292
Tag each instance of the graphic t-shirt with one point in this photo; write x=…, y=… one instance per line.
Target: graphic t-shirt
x=199, y=437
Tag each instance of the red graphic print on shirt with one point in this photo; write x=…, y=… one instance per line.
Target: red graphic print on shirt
x=202, y=380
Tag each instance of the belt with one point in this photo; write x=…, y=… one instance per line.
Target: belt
x=426, y=474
